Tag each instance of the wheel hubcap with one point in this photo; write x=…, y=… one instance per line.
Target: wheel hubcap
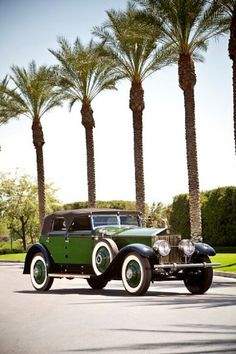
x=133, y=274
x=39, y=272
x=102, y=259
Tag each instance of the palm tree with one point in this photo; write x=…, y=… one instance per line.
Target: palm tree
x=84, y=74
x=8, y=109
x=132, y=43
x=34, y=94
x=187, y=27
x=228, y=23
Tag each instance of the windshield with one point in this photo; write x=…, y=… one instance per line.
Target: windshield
x=102, y=220
x=130, y=220
x=116, y=220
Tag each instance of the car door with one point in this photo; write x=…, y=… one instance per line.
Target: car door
x=55, y=241
x=79, y=242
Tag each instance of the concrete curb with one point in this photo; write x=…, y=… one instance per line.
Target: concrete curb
x=224, y=274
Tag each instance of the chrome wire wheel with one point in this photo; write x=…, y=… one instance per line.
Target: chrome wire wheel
x=39, y=273
x=136, y=274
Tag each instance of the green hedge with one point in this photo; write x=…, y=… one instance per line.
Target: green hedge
x=218, y=208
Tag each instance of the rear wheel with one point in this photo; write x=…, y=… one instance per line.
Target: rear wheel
x=39, y=273
x=198, y=281
x=136, y=274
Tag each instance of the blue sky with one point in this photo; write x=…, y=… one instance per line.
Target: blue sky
x=29, y=27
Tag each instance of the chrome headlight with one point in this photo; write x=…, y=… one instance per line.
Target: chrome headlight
x=187, y=247
x=162, y=247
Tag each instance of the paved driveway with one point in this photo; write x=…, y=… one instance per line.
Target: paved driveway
x=72, y=318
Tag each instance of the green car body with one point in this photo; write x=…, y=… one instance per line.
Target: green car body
x=104, y=244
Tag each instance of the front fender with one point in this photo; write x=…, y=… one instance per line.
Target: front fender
x=204, y=249
x=36, y=248
x=114, y=269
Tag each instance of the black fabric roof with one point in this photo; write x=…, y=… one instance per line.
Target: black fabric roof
x=70, y=214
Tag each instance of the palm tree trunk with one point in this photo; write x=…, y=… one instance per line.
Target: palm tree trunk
x=232, y=55
x=187, y=81
x=38, y=141
x=137, y=107
x=89, y=124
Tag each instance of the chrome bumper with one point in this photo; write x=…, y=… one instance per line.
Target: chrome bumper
x=176, y=266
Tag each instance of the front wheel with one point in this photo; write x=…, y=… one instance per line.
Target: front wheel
x=39, y=273
x=96, y=284
x=199, y=280
x=136, y=274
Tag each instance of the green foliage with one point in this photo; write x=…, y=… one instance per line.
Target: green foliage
x=10, y=246
x=83, y=71
x=19, y=209
x=157, y=215
x=131, y=40
x=179, y=215
x=218, y=216
x=113, y=204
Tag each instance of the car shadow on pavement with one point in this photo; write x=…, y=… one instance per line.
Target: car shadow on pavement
x=204, y=346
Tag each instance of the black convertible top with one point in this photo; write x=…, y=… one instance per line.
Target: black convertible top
x=69, y=215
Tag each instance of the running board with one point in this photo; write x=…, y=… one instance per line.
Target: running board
x=70, y=276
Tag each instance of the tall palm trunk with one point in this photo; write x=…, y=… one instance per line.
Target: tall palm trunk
x=38, y=141
x=187, y=81
x=137, y=106
x=232, y=55
x=89, y=124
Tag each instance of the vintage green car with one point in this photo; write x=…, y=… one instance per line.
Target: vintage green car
x=104, y=244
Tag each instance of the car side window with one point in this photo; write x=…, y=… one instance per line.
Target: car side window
x=59, y=224
x=80, y=223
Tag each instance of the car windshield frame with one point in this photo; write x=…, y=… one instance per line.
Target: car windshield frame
x=104, y=216
x=115, y=222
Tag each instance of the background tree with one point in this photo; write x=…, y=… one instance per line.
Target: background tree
x=34, y=94
x=8, y=108
x=18, y=206
x=157, y=215
x=83, y=75
x=187, y=27
x=228, y=23
x=132, y=43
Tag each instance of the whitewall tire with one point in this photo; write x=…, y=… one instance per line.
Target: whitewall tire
x=103, y=254
x=136, y=274
x=39, y=273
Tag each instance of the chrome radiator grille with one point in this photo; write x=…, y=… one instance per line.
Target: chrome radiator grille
x=175, y=255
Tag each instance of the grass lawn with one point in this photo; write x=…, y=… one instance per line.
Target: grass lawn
x=16, y=257
x=227, y=260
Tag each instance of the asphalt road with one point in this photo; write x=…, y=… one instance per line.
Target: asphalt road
x=72, y=318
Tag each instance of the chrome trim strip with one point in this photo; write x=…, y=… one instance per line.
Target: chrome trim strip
x=176, y=266
x=65, y=275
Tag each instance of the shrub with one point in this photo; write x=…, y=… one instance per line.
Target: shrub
x=218, y=216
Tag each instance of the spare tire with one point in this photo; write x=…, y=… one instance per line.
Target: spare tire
x=103, y=254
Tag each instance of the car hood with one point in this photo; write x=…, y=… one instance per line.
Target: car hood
x=129, y=231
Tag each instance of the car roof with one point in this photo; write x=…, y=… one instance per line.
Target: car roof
x=69, y=215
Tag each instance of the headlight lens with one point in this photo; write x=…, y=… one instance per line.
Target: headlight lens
x=187, y=247
x=162, y=247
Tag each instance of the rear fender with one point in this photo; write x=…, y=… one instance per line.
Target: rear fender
x=36, y=248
